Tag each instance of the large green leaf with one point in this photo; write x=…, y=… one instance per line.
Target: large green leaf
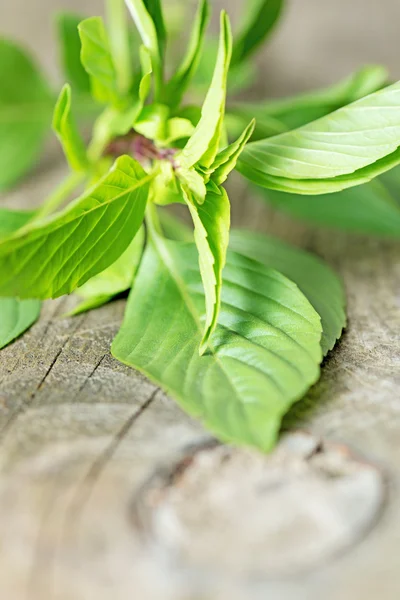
x=369, y=208
x=117, y=278
x=97, y=59
x=16, y=316
x=211, y=233
x=26, y=105
x=70, y=52
x=203, y=145
x=346, y=148
x=315, y=279
x=179, y=82
x=67, y=131
x=265, y=351
x=276, y=116
x=259, y=20
x=53, y=257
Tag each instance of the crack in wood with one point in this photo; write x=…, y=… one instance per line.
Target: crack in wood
x=24, y=404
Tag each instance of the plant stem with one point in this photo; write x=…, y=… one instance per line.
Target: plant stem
x=61, y=193
x=119, y=39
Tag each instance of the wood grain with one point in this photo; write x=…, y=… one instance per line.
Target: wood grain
x=107, y=490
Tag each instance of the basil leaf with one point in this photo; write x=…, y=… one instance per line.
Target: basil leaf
x=346, y=148
x=70, y=52
x=117, y=278
x=178, y=84
x=211, y=233
x=67, y=132
x=26, y=105
x=16, y=316
x=97, y=59
x=259, y=20
x=316, y=280
x=277, y=116
x=53, y=257
x=265, y=351
x=226, y=160
x=203, y=145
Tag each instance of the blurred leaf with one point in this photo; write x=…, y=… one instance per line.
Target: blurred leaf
x=70, y=51
x=97, y=60
x=178, y=84
x=260, y=18
x=26, y=106
x=368, y=208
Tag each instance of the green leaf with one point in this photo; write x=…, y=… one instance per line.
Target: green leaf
x=265, y=351
x=47, y=259
x=117, y=278
x=67, y=131
x=97, y=60
x=277, y=116
x=16, y=316
x=260, y=18
x=26, y=105
x=226, y=160
x=180, y=81
x=315, y=279
x=211, y=233
x=70, y=52
x=346, y=148
x=369, y=208
x=203, y=145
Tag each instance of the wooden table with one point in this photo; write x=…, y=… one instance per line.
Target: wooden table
x=108, y=491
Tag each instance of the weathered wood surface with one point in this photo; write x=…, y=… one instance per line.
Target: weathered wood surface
x=107, y=490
